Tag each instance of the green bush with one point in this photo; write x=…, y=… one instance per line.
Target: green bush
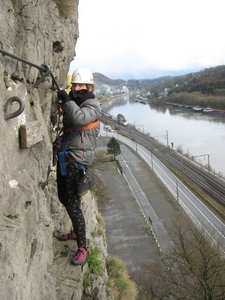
x=94, y=263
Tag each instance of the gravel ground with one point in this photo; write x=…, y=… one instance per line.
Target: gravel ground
x=127, y=233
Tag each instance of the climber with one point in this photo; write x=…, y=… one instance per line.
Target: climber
x=81, y=111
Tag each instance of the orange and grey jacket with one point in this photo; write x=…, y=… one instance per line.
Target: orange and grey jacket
x=81, y=139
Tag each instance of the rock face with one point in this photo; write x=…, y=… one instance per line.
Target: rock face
x=30, y=263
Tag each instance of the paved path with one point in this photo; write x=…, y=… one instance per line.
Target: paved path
x=126, y=160
x=127, y=232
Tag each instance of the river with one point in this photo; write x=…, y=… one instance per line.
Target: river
x=194, y=134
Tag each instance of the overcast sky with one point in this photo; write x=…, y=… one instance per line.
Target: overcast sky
x=126, y=39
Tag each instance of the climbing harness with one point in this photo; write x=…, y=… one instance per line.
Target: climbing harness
x=64, y=156
x=59, y=145
x=45, y=71
x=7, y=110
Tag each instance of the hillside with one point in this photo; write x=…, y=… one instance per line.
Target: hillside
x=101, y=79
x=210, y=81
x=132, y=84
x=206, y=87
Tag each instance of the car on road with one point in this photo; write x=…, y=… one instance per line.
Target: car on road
x=108, y=128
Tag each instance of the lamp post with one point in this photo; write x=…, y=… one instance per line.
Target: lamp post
x=181, y=165
x=152, y=150
x=167, y=138
x=152, y=161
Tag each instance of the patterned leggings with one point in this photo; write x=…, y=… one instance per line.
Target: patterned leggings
x=67, y=196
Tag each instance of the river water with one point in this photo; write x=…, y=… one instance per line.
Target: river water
x=196, y=134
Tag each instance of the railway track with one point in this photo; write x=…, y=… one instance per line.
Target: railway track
x=199, y=177
x=211, y=185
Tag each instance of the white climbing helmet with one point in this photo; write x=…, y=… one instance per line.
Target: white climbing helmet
x=82, y=75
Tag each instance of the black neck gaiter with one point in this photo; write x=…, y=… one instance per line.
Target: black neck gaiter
x=82, y=95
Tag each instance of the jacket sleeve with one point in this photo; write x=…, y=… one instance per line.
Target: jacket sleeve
x=89, y=111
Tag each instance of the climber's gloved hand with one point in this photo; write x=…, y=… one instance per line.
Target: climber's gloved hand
x=63, y=96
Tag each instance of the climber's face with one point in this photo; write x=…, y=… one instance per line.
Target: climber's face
x=77, y=88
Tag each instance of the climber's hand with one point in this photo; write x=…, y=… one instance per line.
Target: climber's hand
x=63, y=96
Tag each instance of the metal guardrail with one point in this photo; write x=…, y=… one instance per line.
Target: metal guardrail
x=197, y=211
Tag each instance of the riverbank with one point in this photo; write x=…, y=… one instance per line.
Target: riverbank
x=192, y=134
x=206, y=110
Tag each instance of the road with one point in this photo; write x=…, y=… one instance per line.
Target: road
x=200, y=214
x=154, y=223
x=208, y=183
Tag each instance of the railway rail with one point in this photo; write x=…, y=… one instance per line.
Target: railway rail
x=210, y=184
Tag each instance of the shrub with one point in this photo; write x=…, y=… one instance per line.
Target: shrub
x=65, y=250
x=66, y=7
x=86, y=281
x=94, y=263
x=119, y=279
x=99, y=231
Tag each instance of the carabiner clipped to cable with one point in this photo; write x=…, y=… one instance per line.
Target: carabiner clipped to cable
x=10, y=115
x=43, y=74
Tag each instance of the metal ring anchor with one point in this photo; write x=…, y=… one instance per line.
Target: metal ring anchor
x=7, y=110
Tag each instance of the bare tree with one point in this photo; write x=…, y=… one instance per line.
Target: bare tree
x=193, y=269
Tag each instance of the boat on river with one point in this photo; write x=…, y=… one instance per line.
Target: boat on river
x=207, y=110
x=197, y=108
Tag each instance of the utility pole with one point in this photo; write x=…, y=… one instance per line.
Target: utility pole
x=167, y=139
x=203, y=156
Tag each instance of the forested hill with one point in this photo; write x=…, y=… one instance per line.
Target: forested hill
x=132, y=84
x=204, y=88
x=210, y=81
